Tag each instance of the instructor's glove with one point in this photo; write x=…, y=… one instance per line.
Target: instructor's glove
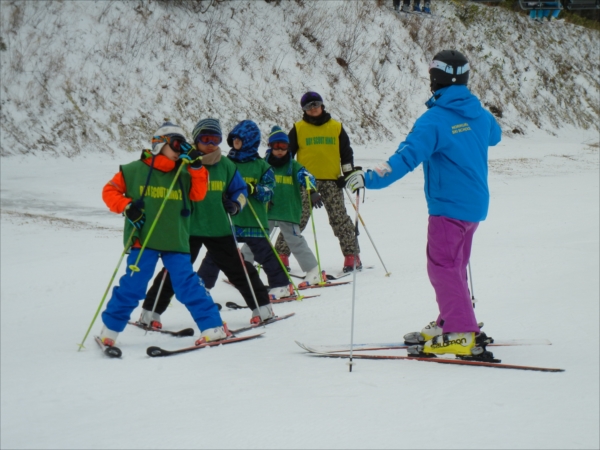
x=193, y=158
x=316, y=200
x=355, y=180
x=230, y=206
x=135, y=214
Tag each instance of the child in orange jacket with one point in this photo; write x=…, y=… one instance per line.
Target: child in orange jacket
x=138, y=191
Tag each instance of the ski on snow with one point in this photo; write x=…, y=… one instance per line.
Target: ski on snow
x=434, y=359
x=402, y=345
x=181, y=333
x=264, y=322
x=292, y=298
x=335, y=276
x=111, y=352
x=156, y=352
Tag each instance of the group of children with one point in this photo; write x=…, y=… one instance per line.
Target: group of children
x=178, y=197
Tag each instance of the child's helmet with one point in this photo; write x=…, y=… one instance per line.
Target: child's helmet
x=447, y=68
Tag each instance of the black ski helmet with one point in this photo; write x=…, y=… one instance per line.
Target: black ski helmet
x=447, y=68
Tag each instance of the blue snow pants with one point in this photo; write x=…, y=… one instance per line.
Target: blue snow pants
x=188, y=287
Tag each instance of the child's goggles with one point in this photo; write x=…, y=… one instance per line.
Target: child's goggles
x=279, y=146
x=174, y=142
x=209, y=139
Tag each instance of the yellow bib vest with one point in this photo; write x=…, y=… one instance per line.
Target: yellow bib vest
x=319, y=148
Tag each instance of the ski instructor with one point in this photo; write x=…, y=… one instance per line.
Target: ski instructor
x=451, y=139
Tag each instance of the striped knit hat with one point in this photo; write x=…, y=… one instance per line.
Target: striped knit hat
x=278, y=135
x=208, y=126
x=168, y=130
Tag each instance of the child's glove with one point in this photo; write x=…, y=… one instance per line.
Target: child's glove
x=251, y=187
x=230, y=206
x=135, y=214
x=316, y=200
x=185, y=147
x=193, y=158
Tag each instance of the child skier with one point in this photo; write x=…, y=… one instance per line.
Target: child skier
x=210, y=227
x=244, y=140
x=451, y=139
x=286, y=209
x=138, y=191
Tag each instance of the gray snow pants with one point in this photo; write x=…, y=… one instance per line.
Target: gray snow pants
x=296, y=242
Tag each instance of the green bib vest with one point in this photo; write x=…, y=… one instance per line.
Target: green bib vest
x=319, y=148
x=252, y=171
x=171, y=232
x=287, y=201
x=209, y=217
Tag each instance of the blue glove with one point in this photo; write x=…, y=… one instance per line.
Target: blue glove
x=185, y=147
x=135, y=214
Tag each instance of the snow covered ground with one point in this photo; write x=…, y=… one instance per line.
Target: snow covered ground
x=535, y=270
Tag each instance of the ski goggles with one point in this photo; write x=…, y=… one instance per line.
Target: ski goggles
x=279, y=145
x=447, y=68
x=209, y=139
x=312, y=105
x=174, y=142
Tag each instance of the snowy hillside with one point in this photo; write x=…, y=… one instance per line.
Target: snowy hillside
x=83, y=76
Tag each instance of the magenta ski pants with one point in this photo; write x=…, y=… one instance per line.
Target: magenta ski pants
x=448, y=252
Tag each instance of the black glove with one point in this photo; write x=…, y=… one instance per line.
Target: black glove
x=135, y=214
x=230, y=206
x=193, y=158
x=316, y=200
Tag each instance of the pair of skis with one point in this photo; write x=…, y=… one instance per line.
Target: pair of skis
x=115, y=352
x=341, y=351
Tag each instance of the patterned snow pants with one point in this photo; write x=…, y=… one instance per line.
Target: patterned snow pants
x=339, y=220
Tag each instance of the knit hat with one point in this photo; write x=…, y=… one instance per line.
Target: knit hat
x=167, y=130
x=310, y=97
x=278, y=135
x=208, y=126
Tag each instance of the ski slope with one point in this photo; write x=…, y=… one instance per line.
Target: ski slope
x=535, y=268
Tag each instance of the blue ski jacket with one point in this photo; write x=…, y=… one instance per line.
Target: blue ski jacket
x=451, y=139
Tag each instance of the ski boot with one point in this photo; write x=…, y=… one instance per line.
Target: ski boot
x=349, y=263
x=313, y=277
x=428, y=332
x=285, y=259
x=281, y=291
x=261, y=314
x=108, y=337
x=214, y=334
x=150, y=319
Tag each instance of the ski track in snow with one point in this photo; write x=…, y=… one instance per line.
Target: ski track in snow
x=535, y=271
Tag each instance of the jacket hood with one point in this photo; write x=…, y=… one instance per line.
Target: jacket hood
x=457, y=99
x=249, y=133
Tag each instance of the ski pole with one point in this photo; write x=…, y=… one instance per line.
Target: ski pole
x=107, y=288
x=134, y=267
x=243, y=263
x=354, y=281
x=300, y=297
x=162, y=283
x=473, y=300
x=387, y=273
x=312, y=219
